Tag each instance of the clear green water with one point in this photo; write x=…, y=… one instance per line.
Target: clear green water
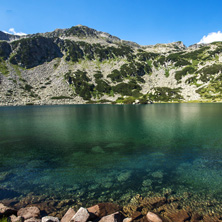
x=110, y=152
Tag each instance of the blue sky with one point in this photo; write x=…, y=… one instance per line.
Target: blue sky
x=143, y=21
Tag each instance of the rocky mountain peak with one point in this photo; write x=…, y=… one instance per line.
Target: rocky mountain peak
x=8, y=37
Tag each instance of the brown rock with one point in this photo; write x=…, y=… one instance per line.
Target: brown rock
x=81, y=215
x=153, y=202
x=129, y=210
x=6, y=211
x=94, y=210
x=116, y=217
x=136, y=215
x=29, y=212
x=178, y=216
x=68, y=216
x=208, y=218
x=107, y=209
x=196, y=217
x=13, y=218
x=151, y=217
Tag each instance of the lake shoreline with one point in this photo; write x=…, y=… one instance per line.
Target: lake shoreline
x=110, y=103
x=164, y=207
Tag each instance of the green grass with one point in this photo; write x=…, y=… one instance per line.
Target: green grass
x=167, y=73
x=4, y=219
x=3, y=68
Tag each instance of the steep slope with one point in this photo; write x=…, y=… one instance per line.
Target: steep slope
x=82, y=65
x=8, y=37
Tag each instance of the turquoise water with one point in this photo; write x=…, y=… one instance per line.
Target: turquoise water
x=110, y=152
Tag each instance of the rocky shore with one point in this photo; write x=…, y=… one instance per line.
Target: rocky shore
x=148, y=209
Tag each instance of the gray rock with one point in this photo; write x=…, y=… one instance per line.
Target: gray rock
x=151, y=217
x=81, y=215
x=50, y=219
x=6, y=211
x=29, y=212
x=68, y=216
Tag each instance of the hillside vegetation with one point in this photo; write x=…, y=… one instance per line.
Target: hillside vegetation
x=82, y=65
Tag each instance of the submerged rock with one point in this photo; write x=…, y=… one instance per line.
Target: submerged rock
x=178, y=215
x=113, y=145
x=157, y=174
x=97, y=149
x=147, y=183
x=122, y=177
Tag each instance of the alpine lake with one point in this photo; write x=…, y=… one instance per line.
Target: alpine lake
x=113, y=153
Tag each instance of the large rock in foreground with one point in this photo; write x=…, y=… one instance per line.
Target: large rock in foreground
x=68, y=216
x=151, y=217
x=29, y=212
x=81, y=215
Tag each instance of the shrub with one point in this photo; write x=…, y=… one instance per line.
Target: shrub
x=166, y=94
x=102, y=86
x=183, y=72
x=115, y=76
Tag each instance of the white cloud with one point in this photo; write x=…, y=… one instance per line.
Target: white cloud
x=211, y=37
x=13, y=32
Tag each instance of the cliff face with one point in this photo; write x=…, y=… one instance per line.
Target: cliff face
x=81, y=65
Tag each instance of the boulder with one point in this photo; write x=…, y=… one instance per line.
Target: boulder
x=116, y=217
x=94, y=210
x=50, y=219
x=151, y=217
x=6, y=211
x=33, y=220
x=128, y=219
x=68, y=216
x=29, y=212
x=81, y=215
x=13, y=218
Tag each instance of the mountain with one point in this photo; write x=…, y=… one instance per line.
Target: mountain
x=82, y=65
x=8, y=37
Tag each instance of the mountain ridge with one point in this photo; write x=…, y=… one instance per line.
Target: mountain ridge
x=83, y=65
